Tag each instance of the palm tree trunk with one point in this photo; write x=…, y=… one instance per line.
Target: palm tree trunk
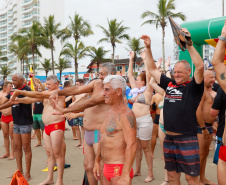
x=134, y=63
x=33, y=56
x=76, y=69
x=46, y=74
x=98, y=64
x=23, y=66
x=52, y=59
x=163, y=48
x=113, y=57
x=60, y=76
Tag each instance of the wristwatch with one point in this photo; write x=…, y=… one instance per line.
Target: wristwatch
x=222, y=38
x=203, y=128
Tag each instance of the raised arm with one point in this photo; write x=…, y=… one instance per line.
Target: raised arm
x=31, y=94
x=167, y=65
x=218, y=60
x=81, y=106
x=150, y=61
x=39, y=83
x=197, y=60
x=155, y=86
x=130, y=70
x=129, y=132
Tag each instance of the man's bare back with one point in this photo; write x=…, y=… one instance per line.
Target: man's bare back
x=7, y=111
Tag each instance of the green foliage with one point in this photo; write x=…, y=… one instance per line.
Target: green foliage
x=46, y=66
x=62, y=65
x=114, y=34
x=5, y=71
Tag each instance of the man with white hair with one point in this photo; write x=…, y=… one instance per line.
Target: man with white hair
x=54, y=127
x=23, y=121
x=117, y=146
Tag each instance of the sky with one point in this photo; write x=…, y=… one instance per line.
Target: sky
x=129, y=11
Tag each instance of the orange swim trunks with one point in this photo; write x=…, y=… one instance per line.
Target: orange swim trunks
x=114, y=170
x=54, y=126
x=7, y=119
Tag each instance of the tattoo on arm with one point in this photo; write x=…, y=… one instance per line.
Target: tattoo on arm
x=222, y=76
x=131, y=121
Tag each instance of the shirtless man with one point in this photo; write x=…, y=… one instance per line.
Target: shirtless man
x=205, y=120
x=7, y=123
x=94, y=114
x=54, y=127
x=117, y=146
x=220, y=69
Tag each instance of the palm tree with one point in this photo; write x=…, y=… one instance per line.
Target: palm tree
x=51, y=32
x=77, y=28
x=31, y=38
x=5, y=71
x=165, y=8
x=135, y=46
x=75, y=52
x=113, y=34
x=62, y=65
x=46, y=66
x=97, y=56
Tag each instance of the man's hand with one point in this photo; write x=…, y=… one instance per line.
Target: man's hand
x=159, y=63
x=53, y=97
x=131, y=55
x=223, y=32
x=143, y=55
x=15, y=94
x=124, y=180
x=147, y=41
x=70, y=116
x=96, y=170
x=206, y=134
x=186, y=31
x=57, y=107
x=16, y=101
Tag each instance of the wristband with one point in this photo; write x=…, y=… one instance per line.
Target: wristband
x=222, y=38
x=203, y=128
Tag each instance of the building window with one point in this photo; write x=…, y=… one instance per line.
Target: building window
x=119, y=68
x=126, y=68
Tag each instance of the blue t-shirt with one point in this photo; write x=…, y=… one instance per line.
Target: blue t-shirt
x=128, y=96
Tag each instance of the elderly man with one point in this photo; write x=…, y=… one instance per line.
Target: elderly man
x=54, y=127
x=117, y=146
x=23, y=121
x=181, y=148
x=94, y=114
x=220, y=69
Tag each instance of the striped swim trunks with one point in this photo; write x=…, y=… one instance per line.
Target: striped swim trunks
x=181, y=154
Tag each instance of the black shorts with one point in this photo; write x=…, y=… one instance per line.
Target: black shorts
x=156, y=121
x=181, y=154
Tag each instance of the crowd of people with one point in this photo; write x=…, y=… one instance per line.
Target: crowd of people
x=116, y=120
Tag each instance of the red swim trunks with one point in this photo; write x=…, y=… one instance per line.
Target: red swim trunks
x=114, y=170
x=222, y=153
x=54, y=126
x=7, y=119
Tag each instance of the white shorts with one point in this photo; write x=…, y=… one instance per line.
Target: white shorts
x=144, y=127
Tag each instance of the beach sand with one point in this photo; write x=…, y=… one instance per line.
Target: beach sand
x=74, y=157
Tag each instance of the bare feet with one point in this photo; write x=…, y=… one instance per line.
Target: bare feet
x=149, y=179
x=4, y=156
x=27, y=177
x=77, y=145
x=210, y=148
x=75, y=138
x=37, y=145
x=11, y=158
x=81, y=147
x=207, y=182
x=165, y=183
x=46, y=182
x=137, y=174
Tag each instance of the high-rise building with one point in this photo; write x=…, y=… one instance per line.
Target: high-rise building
x=17, y=14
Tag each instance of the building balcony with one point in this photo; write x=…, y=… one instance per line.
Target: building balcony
x=2, y=44
x=27, y=17
x=3, y=24
x=3, y=30
x=2, y=18
x=3, y=37
x=27, y=10
x=26, y=2
x=27, y=24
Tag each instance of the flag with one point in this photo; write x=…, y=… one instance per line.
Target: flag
x=32, y=84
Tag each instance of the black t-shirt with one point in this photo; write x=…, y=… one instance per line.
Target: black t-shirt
x=219, y=104
x=38, y=108
x=22, y=113
x=180, y=105
x=68, y=102
x=215, y=87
